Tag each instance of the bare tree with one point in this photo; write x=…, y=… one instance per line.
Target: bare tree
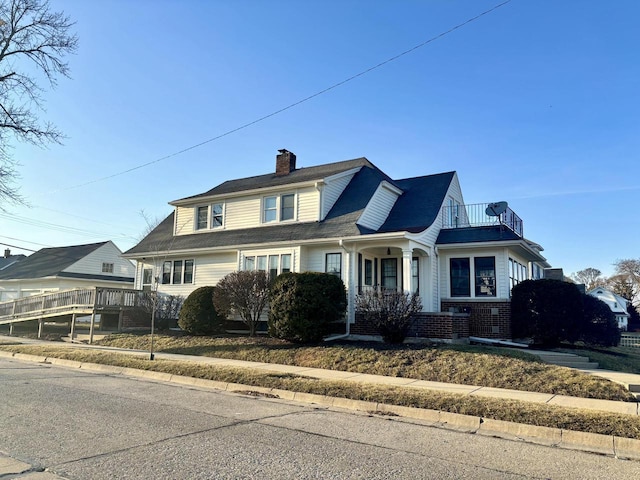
x=391, y=312
x=590, y=277
x=628, y=270
x=33, y=41
x=244, y=293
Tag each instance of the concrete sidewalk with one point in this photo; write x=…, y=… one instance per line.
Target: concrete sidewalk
x=629, y=408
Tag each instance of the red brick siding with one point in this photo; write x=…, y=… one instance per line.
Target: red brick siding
x=486, y=319
x=437, y=325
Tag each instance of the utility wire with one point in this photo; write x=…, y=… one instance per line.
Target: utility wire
x=290, y=106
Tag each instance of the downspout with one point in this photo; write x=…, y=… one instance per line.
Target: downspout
x=348, y=323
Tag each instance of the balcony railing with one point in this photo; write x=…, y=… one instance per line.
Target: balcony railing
x=475, y=215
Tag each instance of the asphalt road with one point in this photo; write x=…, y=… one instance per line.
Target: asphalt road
x=82, y=425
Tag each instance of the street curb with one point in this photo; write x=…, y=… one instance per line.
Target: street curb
x=610, y=445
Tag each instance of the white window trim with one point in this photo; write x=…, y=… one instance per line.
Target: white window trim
x=278, y=197
x=209, y=225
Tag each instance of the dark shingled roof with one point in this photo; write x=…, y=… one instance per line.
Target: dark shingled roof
x=11, y=259
x=419, y=205
x=50, y=262
x=414, y=211
x=476, y=234
x=272, y=180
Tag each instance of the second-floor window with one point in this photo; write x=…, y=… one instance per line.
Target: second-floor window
x=210, y=216
x=107, y=268
x=278, y=208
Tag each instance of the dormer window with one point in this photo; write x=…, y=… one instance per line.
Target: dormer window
x=278, y=208
x=202, y=221
x=210, y=216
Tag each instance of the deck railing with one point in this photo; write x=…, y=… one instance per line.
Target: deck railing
x=475, y=215
x=630, y=340
x=67, y=300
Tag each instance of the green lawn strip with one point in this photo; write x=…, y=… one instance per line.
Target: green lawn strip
x=468, y=365
x=498, y=409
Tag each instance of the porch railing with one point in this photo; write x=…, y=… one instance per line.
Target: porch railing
x=69, y=300
x=475, y=215
x=630, y=340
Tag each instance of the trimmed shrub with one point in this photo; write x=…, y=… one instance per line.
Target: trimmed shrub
x=600, y=327
x=548, y=311
x=302, y=305
x=391, y=312
x=198, y=315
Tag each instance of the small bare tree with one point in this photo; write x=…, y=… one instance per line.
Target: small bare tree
x=244, y=293
x=390, y=311
x=33, y=40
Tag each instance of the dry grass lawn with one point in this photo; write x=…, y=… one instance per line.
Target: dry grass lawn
x=482, y=366
x=499, y=409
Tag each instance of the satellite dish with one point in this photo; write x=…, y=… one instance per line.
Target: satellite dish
x=496, y=209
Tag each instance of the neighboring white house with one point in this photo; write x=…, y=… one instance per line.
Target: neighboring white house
x=616, y=303
x=79, y=266
x=350, y=219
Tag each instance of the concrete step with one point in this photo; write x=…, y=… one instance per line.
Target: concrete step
x=568, y=360
x=577, y=365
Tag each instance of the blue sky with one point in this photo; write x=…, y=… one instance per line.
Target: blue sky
x=536, y=103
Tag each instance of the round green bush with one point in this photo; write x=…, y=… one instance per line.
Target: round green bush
x=198, y=315
x=302, y=305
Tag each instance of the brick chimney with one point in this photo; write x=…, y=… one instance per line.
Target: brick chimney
x=285, y=162
x=7, y=253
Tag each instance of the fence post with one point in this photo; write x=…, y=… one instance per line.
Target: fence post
x=93, y=315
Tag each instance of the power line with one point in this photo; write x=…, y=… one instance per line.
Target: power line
x=290, y=106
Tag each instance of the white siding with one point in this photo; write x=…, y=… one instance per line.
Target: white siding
x=207, y=270
x=501, y=264
x=242, y=212
x=108, y=253
x=308, y=200
x=184, y=220
x=378, y=208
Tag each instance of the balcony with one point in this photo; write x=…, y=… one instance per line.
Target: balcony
x=475, y=215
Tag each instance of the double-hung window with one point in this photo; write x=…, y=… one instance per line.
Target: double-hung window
x=107, y=267
x=202, y=218
x=460, y=277
x=333, y=264
x=485, y=273
x=278, y=208
x=217, y=215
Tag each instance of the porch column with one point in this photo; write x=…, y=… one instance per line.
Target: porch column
x=11, y=328
x=40, y=322
x=352, y=290
x=407, y=256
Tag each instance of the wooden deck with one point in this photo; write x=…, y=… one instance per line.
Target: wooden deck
x=74, y=303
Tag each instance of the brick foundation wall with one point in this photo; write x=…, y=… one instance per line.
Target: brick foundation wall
x=436, y=325
x=486, y=319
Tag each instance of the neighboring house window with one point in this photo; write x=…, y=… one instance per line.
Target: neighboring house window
x=460, y=277
x=249, y=263
x=389, y=273
x=177, y=272
x=217, y=215
x=285, y=263
x=107, y=268
x=273, y=266
x=333, y=264
x=278, y=209
x=202, y=220
x=415, y=274
x=485, y=276
x=262, y=263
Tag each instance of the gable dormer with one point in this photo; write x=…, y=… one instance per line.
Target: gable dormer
x=379, y=206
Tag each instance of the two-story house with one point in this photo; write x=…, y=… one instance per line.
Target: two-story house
x=350, y=219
